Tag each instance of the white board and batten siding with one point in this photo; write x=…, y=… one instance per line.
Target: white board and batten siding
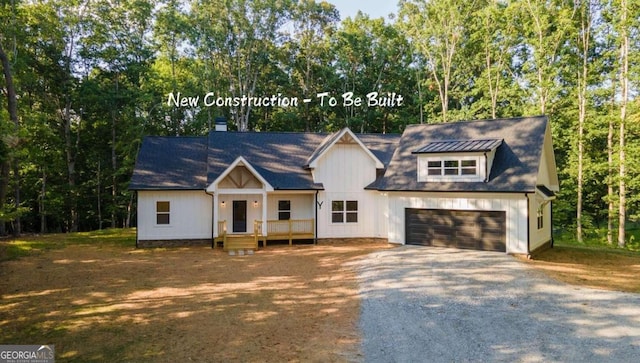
x=515, y=206
x=189, y=215
x=345, y=170
x=301, y=205
x=225, y=210
x=538, y=236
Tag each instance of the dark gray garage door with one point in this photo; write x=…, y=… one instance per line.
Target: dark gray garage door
x=480, y=230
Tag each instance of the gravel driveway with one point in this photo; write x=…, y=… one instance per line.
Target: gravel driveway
x=423, y=304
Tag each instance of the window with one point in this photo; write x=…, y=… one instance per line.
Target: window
x=434, y=167
x=468, y=167
x=344, y=211
x=449, y=169
x=540, y=216
x=352, y=211
x=284, y=210
x=452, y=167
x=163, y=210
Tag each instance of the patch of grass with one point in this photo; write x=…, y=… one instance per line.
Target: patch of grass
x=28, y=245
x=597, y=238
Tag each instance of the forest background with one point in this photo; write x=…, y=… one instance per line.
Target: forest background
x=85, y=80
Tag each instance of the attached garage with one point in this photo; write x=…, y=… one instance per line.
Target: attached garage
x=470, y=229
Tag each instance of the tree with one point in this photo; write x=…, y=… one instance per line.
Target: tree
x=545, y=31
x=237, y=38
x=624, y=98
x=309, y=54
x=13, y=140
x=584, y=49
x=437, y=29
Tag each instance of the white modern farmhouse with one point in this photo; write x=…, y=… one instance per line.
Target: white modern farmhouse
x=484, y=184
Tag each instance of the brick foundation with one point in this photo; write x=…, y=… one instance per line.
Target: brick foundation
x=336, y=241
x=173, y=243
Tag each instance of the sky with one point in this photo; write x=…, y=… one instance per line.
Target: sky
x=375, y=8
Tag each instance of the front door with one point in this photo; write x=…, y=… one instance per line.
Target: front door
x=239, y=216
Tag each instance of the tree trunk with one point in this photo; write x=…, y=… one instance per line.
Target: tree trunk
x=12, y=107
x=114, y=159
x=99, y=197
x=71, y=166
x=584, y=41
x=624, y=84
x=4, y=188
x=41, y=206
x=610, y=209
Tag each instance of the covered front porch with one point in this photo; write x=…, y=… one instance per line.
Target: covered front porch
x=247, y=210
x=282, y=230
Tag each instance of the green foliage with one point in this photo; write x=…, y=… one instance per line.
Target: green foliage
x=597, y=238
x=93, y=77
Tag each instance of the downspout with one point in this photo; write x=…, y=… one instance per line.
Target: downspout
x=213, y=219
x=551, y=221
x=315, y=224
x=137, y=227
x=528, y=227
x=486, y=168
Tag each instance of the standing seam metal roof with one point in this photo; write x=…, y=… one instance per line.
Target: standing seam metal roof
x=459, y=146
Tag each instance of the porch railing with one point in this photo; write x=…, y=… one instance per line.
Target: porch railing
x=290, y=230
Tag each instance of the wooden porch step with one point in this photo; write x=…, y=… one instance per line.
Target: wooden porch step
x=240, y=242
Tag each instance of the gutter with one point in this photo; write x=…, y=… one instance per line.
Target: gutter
x=315, y=235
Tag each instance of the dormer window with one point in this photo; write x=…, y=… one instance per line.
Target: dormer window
x=456, y=160
x=455, y=167
x=450, y=168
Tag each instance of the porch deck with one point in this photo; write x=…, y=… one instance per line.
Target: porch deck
x=292, y=229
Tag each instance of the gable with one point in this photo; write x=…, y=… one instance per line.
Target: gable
x=240, y=175
x=515, y=166
x=240, y=178
x=343, y=137
x=547, y=172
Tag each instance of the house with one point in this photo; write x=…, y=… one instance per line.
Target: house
x=485, y=184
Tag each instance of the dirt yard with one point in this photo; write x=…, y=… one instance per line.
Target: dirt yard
x=98, y=303
x=597, y=268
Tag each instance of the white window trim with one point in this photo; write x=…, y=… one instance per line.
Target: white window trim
x=423, y=169
x=284, y=210
x=163, y=225
x=345, y=212
x=540, y=216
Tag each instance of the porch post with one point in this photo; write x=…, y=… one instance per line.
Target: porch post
x=264, y=213
x=215, y=215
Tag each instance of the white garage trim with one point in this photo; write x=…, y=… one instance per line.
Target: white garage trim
x=514, y=204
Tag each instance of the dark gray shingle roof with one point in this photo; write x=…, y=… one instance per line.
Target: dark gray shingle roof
x=171, y=163
x=188, y=163
x=515, y=167
x=280, y=157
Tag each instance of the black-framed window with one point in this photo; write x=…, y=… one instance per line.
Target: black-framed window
x=540, y=215
x=284, y=210
x=455, y=167
x=344, y=211
x=163, y=212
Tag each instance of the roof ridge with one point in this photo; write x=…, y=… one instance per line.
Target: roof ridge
x=510, y=119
